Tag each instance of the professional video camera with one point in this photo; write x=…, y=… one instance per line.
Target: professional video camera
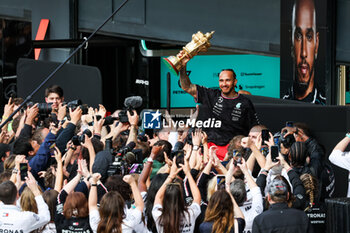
x=130, y=103
x=127, y=159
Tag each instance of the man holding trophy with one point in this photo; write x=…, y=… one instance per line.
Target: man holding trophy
x=235, y=111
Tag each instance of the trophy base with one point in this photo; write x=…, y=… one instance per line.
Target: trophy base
x=170, y=65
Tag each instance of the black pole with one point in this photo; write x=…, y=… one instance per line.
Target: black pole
x=168, y=92
x=61, y=65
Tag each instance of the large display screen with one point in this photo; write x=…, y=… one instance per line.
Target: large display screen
x=259, y=75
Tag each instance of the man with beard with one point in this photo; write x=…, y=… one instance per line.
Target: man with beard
x=234, y=112
x=305, y=41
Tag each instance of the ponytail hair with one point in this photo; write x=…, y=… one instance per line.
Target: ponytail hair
x=311, y=188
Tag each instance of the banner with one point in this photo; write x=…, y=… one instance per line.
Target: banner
x=256, y=74
x=306, y=51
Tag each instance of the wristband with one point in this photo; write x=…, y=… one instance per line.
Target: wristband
x=150, y=160
x=264, y=170
x=347, y=135
x=93, y=185
x=14, y=171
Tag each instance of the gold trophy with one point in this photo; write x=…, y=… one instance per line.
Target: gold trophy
x=199, y=43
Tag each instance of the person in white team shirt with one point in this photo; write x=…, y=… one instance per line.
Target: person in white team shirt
x=254, y=206
x=341, y=158
x=113, y=206
x=12, y=219
x=169, y=211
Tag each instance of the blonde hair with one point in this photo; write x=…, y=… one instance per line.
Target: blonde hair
x=211, y=187
x=28, y=202
x=311, y=188
x=9, y=162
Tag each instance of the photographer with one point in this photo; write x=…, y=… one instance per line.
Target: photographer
x=315, y=160
x=54, y=96
x=297, y=199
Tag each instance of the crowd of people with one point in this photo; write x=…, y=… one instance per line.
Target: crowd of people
x=76, y=170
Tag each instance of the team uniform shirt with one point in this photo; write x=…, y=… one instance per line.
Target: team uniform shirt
x=133, y=218
x=141, y=227
x=48, y=228
x=188, y=222
x=73, y=224
x=315, y=97
x=235, y=116
x=341, y=159
x=12, y=219
x=252, y=208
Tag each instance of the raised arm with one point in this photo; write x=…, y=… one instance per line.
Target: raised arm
x=146, y=171
x=228, y=177
x=173, y=172
x=43, y=216
x=74, y=182
x=194, y=188
x=248, y=177
x=92, y=155
x=133, y=120
x=186, y=84
x=256, y=154
x=93, y=191
x=59, y=171
x=196, y=140
x=342, y=144
x=338, y=156
x=139, y=204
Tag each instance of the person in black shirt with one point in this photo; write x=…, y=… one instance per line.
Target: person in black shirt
x=279, y=218
x=224, y=113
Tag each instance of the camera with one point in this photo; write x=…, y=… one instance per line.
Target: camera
x=108, y=120
x=74, y=104
x=130, y=104
x=118, y=167
x=124, y=158
x=77, y=140
x=123, y=116
x=44, y=108
x=286, y=141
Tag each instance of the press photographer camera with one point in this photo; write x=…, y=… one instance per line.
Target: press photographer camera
x=281, y=138
x=44, y=108
x=108, y=120
x=131, y=103
x=74, y=104
x=77, y=140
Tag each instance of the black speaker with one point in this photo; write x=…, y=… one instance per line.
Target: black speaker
x=338, y=215
x=78, y=81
